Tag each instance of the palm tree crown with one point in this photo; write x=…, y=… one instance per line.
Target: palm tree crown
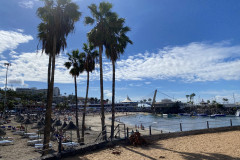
x=58, y=19
x=75, y=62
x=90, y=57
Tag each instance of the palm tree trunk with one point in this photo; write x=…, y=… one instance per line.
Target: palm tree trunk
x=49, y=102
x=84, y=110
x=113, y=100
x=101, y=91
x=78, y=134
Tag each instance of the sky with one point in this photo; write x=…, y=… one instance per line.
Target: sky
x=179, y=48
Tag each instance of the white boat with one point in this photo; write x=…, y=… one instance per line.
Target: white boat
x=165, y=115
x=237, y=113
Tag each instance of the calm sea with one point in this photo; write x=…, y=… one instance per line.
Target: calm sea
x=172, y=124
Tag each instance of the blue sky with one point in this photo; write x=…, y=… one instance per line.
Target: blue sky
x=180, y=47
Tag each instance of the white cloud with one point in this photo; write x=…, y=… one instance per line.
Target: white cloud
x=18, y=81
x=26, y=4
x=9, y=40
x=108, y=93
x=147, y=82
x=20, y=30
x=193, y=62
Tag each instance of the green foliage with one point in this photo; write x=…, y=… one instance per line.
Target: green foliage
x=58, y=19
x=76, y=63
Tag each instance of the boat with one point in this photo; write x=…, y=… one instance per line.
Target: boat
x=184, y=114
x=218, y=115
x=202, y=115
x=237, y=113
x=165, y=115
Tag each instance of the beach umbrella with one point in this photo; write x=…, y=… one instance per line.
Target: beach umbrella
x=2, y=132
x=63, y=126
x=70, y=127
x=57, y=123
x=20, y=119
x=26, y=122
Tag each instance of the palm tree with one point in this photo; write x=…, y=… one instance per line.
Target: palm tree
x=192, y=97
x=187, y=96
x=89, y=66
x=115, y=46
x=98, y=36
x=76, y=64
x=58, y=19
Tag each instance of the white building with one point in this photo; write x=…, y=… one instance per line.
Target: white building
x=56, y=91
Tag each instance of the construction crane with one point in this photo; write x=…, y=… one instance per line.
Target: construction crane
x=154, y=100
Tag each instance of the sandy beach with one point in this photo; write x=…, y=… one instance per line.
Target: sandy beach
x=21, y=151
x=224, y=145
x=215, y=146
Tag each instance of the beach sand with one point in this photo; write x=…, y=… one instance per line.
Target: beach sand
x=21, y=151
x=215, y=146
x=218, y=146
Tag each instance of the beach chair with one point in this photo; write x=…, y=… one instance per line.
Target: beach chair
x=18, y=133
x=33, y=142
x=39, y=147
x=6, y=142
x=34, y=137
x=26, y=135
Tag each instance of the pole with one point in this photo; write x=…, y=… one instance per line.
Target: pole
x=231, y=122
x=5, y=98
x=150, y=131
x=181, y=127
x=207, y=125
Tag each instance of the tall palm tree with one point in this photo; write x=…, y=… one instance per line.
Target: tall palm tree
x=76, y=63
x=187, y=96
x=58, y=19
x=89, y=66
x=115, y=46
x=98, y=37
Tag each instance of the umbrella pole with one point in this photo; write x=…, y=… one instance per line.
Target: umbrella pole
x=71, y=136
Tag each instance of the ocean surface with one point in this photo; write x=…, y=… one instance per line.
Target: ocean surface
x=172, y=124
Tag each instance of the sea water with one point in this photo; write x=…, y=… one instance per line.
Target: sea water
x=172, y=124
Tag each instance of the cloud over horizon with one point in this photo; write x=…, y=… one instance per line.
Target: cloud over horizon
x=191, y=63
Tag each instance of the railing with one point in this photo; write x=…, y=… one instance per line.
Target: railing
x=123, y=132
x=180, y=127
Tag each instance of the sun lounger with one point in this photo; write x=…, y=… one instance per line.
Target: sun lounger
x=18, y=133
x=29, y=134
x=39, y=147
x=70, y=145
x=34, y=137
x=6, y=142
x=6, y=138
x=33, y=142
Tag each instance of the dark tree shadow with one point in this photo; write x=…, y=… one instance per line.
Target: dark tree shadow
x=144, y=155
x=196, y=156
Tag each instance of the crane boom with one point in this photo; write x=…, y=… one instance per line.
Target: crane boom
x=153, y=102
